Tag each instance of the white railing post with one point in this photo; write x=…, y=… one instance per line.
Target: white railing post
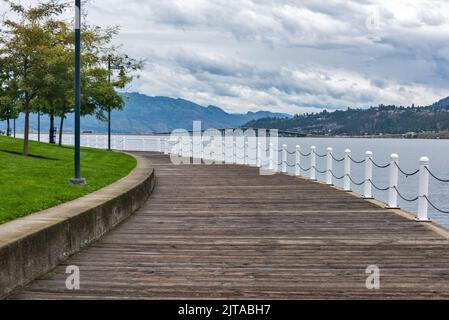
x=125, y=146
x=392, y=192
x=201, y=151
x=271, y=157
x=259, y=154
x=246, y=153
x=367, y=192
x=329, y=168
x=298, y=161
x=347, y=171
x=228, y=148
x=312, y=163
x=207, y=154
x=234, y=152
x=213, y=152
x=423, y=190
x=182, y=147
x=223, y=150
x=284, y=158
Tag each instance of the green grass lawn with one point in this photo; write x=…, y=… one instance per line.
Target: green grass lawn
x=40, y=181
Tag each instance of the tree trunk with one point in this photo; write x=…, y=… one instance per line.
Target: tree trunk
x=61, y=127
x=8, y=128
x=51, y=138
x=26, y=131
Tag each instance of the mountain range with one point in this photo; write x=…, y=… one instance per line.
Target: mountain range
x=145, y=114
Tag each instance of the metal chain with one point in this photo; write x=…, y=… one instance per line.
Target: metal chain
x=356, y=183
x=305, y=154
x=404, y=198
x=436, y=178
x=320, y=155
x=338, y=160
x=376, y=187
x=406, y=174
x=338, y=178
x=303, y=169
x=355, y=161
x=291, y=152
x=379, y=166
x=319, y=171
x=435, y=207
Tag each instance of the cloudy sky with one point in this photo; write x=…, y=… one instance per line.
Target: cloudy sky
x=286, y=55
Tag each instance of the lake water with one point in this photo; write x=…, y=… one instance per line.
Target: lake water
x=409, y=151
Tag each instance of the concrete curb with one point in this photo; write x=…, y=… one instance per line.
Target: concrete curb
x=34, y=245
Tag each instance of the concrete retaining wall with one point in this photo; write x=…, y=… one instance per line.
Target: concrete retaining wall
x=34, y=245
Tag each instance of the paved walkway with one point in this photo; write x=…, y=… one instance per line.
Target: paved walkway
x=227, y=232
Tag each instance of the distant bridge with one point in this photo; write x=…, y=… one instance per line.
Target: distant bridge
x=281, y=133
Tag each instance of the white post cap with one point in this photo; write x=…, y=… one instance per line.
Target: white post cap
x=424, y=160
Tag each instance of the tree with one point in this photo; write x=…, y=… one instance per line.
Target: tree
x=58, y=81
x=98, y=87
x=7, y=88
x=39, y=49
x=27, y=44
x=7, y=111
x=125, y=66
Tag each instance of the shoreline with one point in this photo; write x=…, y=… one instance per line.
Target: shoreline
x=410, y=136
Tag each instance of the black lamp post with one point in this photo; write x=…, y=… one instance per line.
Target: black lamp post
x=77, y=179
x=109, y=108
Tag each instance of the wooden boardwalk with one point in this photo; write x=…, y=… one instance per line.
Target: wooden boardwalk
x=227, y=232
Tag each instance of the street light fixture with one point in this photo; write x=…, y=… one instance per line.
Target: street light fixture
x=112, y=65
x=109, y=108
x=77, y=180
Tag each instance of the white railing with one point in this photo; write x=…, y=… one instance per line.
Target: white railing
x=252, y=152
x=151, y=143
x=267, y=158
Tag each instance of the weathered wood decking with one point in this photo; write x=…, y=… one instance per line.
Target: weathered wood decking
x=227, y=232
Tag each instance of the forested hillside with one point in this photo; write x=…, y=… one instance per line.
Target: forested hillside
x=372, y=121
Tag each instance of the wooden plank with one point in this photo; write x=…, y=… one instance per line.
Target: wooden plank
x=223, y=231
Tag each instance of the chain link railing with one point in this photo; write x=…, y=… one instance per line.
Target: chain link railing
x=246, y=154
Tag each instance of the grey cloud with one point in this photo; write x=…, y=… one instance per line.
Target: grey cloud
x=286, y=55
